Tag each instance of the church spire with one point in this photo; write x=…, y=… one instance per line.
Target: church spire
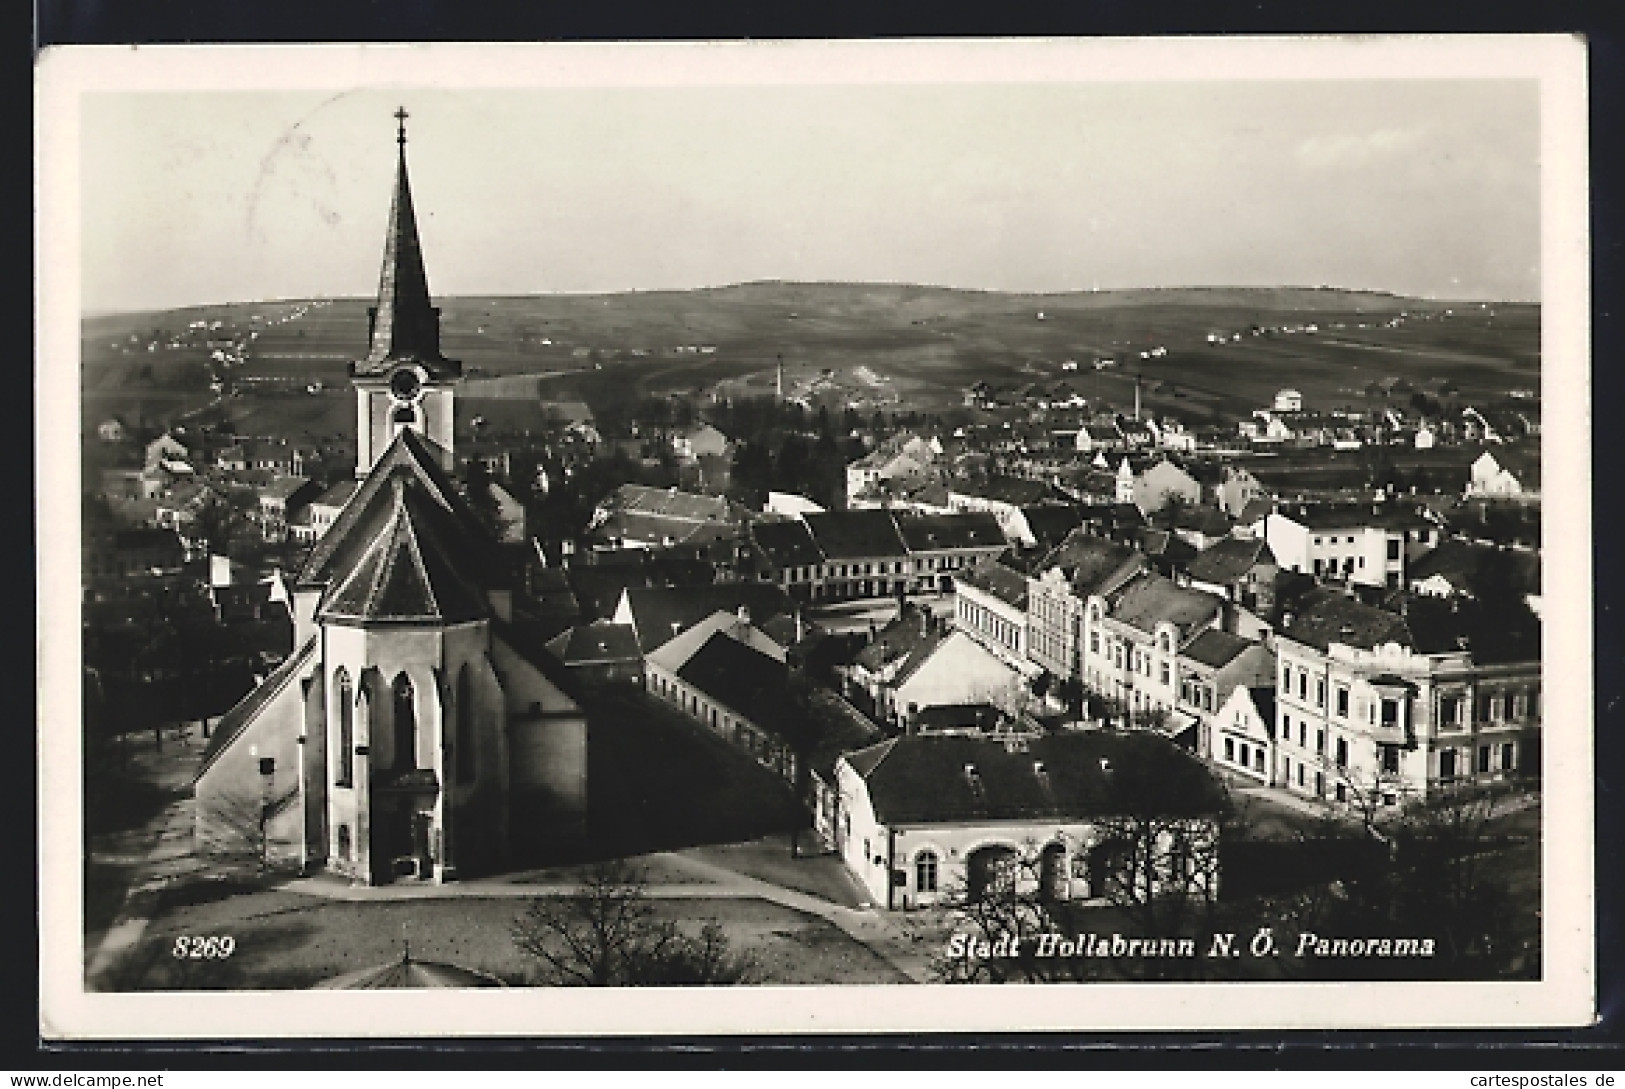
x=404, y=326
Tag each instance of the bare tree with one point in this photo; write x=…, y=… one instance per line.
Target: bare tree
x=606, y=935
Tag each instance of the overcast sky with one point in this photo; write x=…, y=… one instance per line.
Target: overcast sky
x=1418, y=187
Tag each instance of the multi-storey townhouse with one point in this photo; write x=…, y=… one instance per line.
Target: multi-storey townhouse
x=1369, y=708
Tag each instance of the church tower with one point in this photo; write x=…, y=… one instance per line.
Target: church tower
x=404, y=382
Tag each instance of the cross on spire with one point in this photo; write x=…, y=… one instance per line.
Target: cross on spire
x=400, y=118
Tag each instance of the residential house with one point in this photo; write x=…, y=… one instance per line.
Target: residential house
x=310, y=522
x=1201, y=527
x=943, y=667
x=1507, y=473
x=1237, y=489
x=1371, y=710
x=1058, y=591
x=990, y=604
x=166, y=448
x=1366, y=545
x=790, y=505
x=1001, y=496
x=729, y=676
x=1244, y=732
x=936, y=818
x=702, y=440
x=941, y=546
x=275, y=498
x=1100, y=437
x=636, y=516
x=1241, y=570
x=1044, y=525
x=1210, y=668
x=903, y=455
x=1164, y=482
x=658, y=614
x=1134, y=632
x=1288, y=400
x=112, y=429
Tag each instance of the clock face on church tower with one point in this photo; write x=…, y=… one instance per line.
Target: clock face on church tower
x=405, y=384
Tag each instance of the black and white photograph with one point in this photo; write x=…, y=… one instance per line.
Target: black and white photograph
x=814, y=536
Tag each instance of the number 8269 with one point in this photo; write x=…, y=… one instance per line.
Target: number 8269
x=188, y=947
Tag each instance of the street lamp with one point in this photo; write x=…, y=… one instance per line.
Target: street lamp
x=267, y=775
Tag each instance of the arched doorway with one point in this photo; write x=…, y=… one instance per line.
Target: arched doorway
x=991, y=871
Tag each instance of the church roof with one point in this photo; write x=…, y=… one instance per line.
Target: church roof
x=409, y=569
x=408, y=457
x=248, y=708
x=405, y=325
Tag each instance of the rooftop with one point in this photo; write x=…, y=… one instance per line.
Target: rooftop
x=1152, y=599
x=1230, y=559
x=856, y=534
x=923, y=778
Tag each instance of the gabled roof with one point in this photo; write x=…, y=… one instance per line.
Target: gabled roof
x=1208, y=521
x=787, y=543
x=410, y=569
x=1215, y=648
x=1017, y=491
x=1090, y=562
x=856, y=534
x=1230, y=559
x=739, y=677
x=1049, y=523
x=408, y=457
x=905, y=635
x=995, y=578
x=924, y=778
x=930, y=532
x=661, y=612
x=599, y=641
x=235, y=720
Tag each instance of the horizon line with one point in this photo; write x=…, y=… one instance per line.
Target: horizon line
x=1056, y=293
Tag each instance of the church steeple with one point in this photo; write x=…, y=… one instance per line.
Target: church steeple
x=403, y=382
x=404, y=326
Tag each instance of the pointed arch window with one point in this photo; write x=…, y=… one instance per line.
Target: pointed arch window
x=406, y=725
x=465, y=728
x=343, y=751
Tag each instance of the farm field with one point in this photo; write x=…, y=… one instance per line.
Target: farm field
x=926, y=343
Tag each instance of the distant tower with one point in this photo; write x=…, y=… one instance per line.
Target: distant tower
x=1136, y=397
x=404, y=381
x=778, y=384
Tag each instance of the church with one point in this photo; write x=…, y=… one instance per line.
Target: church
x=416, y=731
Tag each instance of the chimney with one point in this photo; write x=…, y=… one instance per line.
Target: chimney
x=743, y=615
x=801, y=626
x=925, y=621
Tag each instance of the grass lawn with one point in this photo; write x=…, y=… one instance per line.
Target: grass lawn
x=287, y=940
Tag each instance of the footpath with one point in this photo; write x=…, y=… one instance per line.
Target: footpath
x=159, y=851
x=901, y=946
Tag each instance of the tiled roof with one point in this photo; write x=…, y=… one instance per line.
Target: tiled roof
x=902, y=637
x=958, y=716
x=1049, y=523
x=923, y=778
x=1088, y=561
x=1215, y=648
x=1151, y=599
x=787, y=543
x=409, y=457
x=856, y=534
x=599, y=641
x=1324, y=616
x=1209, y=521
x=930, y=532
x=739, y=677
x=1230, y=559
x=995, y=578
x=1459, y=560
x=1353, y=516
x=660, y=612
x=1016, y=491
x=411, y=569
